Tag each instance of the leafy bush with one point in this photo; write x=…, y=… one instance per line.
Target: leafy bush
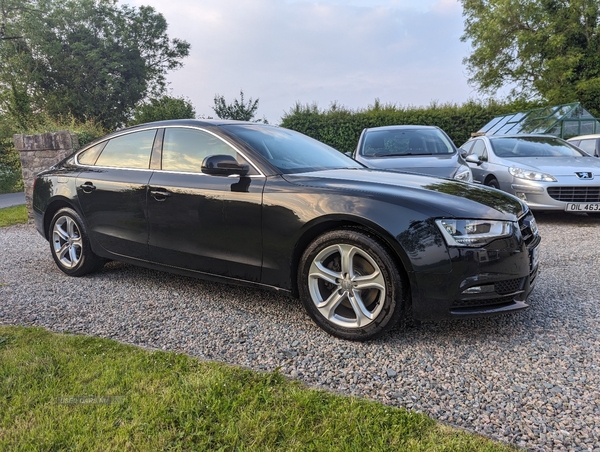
x=86, y=131
x=340, y=127
x=163, y=108
x=11, y=179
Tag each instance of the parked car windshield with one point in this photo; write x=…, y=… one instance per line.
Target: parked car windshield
x=533, y=147
x=405, y=142
x=289, y=151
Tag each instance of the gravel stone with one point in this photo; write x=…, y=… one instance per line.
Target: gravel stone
x=528, y=378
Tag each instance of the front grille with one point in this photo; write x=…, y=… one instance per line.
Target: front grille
x=528, y=228
x=575, y=194
x=509, y=286
x=482, y=303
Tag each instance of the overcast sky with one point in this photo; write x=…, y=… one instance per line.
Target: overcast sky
x=406, y=52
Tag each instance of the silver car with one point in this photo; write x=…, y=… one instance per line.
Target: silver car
x=544, y=171
x=415, y=149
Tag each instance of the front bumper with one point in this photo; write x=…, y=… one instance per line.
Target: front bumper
x=555, y=196
x=484, y=281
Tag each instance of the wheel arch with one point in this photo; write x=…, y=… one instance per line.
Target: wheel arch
x=315, y=229
x=489, y=178
x=54, y=206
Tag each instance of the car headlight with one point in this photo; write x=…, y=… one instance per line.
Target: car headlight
x=464, y=174
x=530, y=175
x=473, y=232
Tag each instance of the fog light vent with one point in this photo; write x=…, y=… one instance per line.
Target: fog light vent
x=488, y=288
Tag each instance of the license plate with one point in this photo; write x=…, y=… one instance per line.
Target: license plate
x=591, y=207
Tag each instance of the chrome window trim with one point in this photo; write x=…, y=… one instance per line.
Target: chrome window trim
x=235, y=148
x=189, y=173
x=115, y=168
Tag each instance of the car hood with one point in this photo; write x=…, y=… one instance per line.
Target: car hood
x=558, y=166
x=433, y=165
x=429, y=195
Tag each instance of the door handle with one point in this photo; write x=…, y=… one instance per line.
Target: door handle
x=160, y=195
x=87, y=187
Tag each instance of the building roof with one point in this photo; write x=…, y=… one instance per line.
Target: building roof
x=563, y=121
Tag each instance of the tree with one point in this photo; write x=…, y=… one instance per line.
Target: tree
x=91, y=59
x=237, y=110
x=546, y=49
x=163, y=108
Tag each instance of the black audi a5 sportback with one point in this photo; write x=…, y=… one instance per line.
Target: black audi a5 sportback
x=262, y=205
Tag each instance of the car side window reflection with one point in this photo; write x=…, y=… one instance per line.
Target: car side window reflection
x=128, y=151
x=479, y=150
x=89, y=156
x=185, y=149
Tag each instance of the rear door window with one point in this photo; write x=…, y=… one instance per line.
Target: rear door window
x=128, y=151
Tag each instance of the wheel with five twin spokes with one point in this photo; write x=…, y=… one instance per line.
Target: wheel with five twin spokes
x=350, y=285
x=70, y=245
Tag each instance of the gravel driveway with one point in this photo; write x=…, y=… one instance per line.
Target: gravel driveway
x=530, y=378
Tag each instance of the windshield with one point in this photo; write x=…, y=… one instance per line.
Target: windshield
x=289, y=151
x=401, y=142
x=533, y=147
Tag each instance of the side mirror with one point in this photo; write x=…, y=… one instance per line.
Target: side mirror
x=223, y=165
x=349, y=154
x=472, y=158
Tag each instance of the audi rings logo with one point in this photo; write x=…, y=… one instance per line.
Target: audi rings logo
x=584, y=175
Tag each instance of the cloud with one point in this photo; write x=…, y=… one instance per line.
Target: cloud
x=403, y=52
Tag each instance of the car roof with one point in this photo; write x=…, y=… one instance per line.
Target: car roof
x=401, y=127
x=188, y=122
x=519, y=135
x=583, y=137
x=170, y=122
x=522, y=135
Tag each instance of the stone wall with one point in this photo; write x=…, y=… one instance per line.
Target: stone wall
x=39, y=152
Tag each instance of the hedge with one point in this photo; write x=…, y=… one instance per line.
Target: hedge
x=340, y=127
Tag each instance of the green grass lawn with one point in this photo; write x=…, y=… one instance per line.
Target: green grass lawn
x=13, y=215
x=66, y=392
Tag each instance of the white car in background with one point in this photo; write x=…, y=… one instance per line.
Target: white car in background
x=588, y=143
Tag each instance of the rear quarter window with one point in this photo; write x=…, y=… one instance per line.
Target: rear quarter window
x=89, y=156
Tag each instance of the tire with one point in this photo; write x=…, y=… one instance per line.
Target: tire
x=493, y=183
x=331, y=271
x=70, y=246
